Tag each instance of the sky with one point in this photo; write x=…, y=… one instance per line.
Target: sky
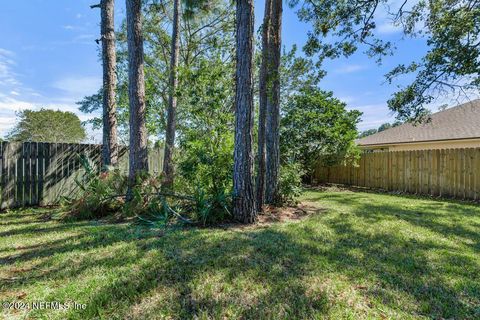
x=49, y=59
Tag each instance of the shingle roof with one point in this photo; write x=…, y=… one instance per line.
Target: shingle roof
x=460, y=122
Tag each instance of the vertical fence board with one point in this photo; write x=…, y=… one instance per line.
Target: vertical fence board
x=20, y=177
x=477, y=174
x=5, y=181
x=462, y=173
x=444, y=175
x=11, y=159
x=451, y=170
x=436, y=174
x=34, y=172
x=471, y=178
x=41, y=172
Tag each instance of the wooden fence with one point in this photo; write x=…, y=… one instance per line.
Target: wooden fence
x=42, y=173
x=448, y=173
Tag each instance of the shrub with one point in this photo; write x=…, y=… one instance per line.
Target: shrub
x=104, y=194
x=100, y=194
x=290, y=183
x=145, y=197
x=205, y=169
x=212, y=208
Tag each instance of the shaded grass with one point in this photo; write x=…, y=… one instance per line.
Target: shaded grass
x=361, y=256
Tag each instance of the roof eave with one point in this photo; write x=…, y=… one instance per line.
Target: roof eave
x=413, y=142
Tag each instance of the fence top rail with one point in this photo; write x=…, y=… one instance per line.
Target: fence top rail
x=4, y=143
x=422, y=150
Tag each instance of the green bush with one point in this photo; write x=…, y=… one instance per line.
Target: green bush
x=100, y=194
x=104, y=194
x=290, y=183
x=211, y=208
x=145, y=197
x=205, y=167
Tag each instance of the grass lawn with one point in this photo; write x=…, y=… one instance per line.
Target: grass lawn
x=357, y=256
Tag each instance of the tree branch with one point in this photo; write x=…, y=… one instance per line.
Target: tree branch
x=99, y=39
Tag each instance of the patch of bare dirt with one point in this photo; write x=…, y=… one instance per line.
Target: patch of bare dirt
x=284, y=214
x=275, y=215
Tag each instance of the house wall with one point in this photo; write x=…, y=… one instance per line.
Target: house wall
x=450, y=144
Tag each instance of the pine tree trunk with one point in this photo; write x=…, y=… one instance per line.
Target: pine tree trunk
x=262, y=113
x=273, y=106
x=138, y=160
x=168, y=168
x=109, y=147
x=244, y=209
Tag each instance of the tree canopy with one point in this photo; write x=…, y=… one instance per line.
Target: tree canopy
x=314, y=125
x=450, y=67
x=206, y=46
x=47, y=125
x=382, y=127
x=452, y=64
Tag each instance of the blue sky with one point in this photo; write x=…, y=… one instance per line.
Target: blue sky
x=48, y=58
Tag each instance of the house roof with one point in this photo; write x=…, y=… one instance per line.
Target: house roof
x=460, y=122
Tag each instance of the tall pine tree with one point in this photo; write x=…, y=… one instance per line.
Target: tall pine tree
x=109, y=57
x=168, y=168
x=272, y=137
x=138, y=158
x=244, y=209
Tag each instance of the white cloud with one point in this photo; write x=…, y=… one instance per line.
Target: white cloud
x=374, y=124
x=385, y=16
x=6, y=124
x=75, y=88
x=7, y=76
x=13, y=105
x=4, y=69
x=74, y=28
x=84, y=38
x=350, y=68
x=374, y=115
x=9, y=81
x=347, y=99
x=15, y=97
x=8, y=108
x=6, y=53
x=387, y=27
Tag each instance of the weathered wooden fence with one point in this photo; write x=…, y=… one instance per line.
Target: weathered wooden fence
x=448, y=173
x=42, y=173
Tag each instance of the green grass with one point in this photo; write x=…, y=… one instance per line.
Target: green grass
x=358, y=256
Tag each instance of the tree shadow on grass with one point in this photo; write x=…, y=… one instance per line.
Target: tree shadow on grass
x=448, y=219
x=448, y=287
x=179, y=259
x=34, y=229
x=402, y=267
x=255, y=273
